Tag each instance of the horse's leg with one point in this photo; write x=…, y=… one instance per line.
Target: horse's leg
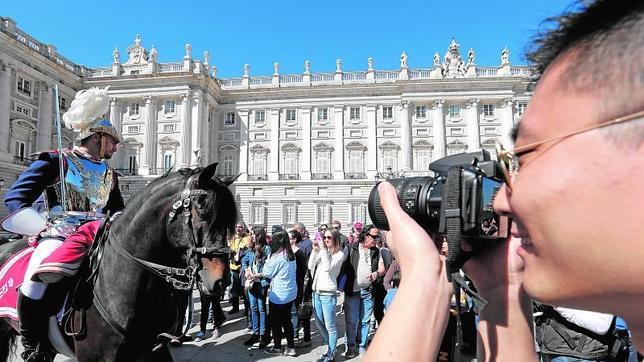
x=7, y=340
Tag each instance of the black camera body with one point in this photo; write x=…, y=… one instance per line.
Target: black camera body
x=464, y=186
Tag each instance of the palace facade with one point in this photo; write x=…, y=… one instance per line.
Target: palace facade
x=307, y=147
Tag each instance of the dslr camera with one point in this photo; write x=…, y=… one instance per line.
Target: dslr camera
x=463, y=187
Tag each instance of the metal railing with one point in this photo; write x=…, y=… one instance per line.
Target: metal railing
x=263, y=177
x=322, y=176
x=289, y=176
x=355, y=175
x=24, y=161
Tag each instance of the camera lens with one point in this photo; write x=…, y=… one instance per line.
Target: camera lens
x=420, y=197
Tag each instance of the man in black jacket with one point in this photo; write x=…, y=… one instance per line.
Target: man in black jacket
x=362, y=270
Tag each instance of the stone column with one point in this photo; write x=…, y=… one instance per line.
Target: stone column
x=338, y=117
x=306, y=143
x=149, y=162
x=507, y=121
x=116, y=115
x=196, y=148
x=203, y=133
x=45, y=117
x=473, y=128
x=405, y=136
x=438, y=128
x=372, y=143
x=244, y=141
x=5, y=108
x=186, y=127
x=273, y=166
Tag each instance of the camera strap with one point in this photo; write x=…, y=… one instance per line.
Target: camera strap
x=456, y=256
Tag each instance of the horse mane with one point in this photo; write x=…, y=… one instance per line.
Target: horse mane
x=154, y=185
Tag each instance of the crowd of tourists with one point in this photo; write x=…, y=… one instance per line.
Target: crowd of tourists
x=286, y=278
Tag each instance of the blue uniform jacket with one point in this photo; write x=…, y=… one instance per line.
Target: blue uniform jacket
x=42, y=173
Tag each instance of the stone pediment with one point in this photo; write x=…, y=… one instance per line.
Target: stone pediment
x=136, y=53
x=323, y=147
x=423, y=144
x=356, y=146
x=167, y=141
x=259, y=149
x=389, y=146
x=290, y=147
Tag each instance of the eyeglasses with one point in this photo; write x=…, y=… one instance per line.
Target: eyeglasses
x=509, y=160
x=328, y=237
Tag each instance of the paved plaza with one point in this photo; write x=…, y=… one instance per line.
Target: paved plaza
x=229, y=346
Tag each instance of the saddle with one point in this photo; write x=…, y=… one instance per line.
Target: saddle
x=72, y=296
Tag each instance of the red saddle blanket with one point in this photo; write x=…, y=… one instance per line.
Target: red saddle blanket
x=11, y=276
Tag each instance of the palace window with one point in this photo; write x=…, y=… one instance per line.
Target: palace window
x=356, y=161
x=387, y=112
x=323, y=114
x=260, y=118
x=133, y=129
x=454, y=111
x=488, y=110
x=521, y=106
x=289, y=213
x=229, y=161
x=19, y=149
x=168, y=161
x=354, y=113
x=20, y=108
x=230, y=119
x=291, y=115
x=168, y=127
x=358, y=212
x=24, y=86
x=170, y=107
x=135, y=109
x=257, y=213
x=421, y=112
x=323, y=213
x=132, y=165
x=422, y=158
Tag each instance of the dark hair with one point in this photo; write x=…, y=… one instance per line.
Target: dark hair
x=335, y=236
x=280, y=244
x=260, y=235
x=365, y=230
x=326, y=227
x=296, y=235
x=606, y=39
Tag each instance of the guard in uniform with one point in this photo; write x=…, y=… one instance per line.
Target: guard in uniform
x=34, y=201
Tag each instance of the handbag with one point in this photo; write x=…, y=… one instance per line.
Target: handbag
x=305, y=310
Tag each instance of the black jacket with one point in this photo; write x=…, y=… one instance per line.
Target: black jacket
x=350, y=266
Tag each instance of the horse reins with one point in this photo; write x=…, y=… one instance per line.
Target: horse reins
x=174, y=277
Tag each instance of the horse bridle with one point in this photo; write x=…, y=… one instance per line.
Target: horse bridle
x=171, y=275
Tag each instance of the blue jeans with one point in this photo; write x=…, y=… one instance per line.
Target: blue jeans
x=257, y=299
x=557, y=358
x=358, y=309
x=324, y=307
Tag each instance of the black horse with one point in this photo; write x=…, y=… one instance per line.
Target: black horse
x=177, y=219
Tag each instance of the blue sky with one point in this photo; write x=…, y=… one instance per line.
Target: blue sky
x=289, y=32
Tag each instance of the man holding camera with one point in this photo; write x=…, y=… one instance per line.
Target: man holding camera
x=578, y=162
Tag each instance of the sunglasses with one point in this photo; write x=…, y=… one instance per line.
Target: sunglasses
x=328, y=237
x=375, y=237
x=509, y=159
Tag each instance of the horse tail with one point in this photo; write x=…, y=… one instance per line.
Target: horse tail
x=7, y=341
